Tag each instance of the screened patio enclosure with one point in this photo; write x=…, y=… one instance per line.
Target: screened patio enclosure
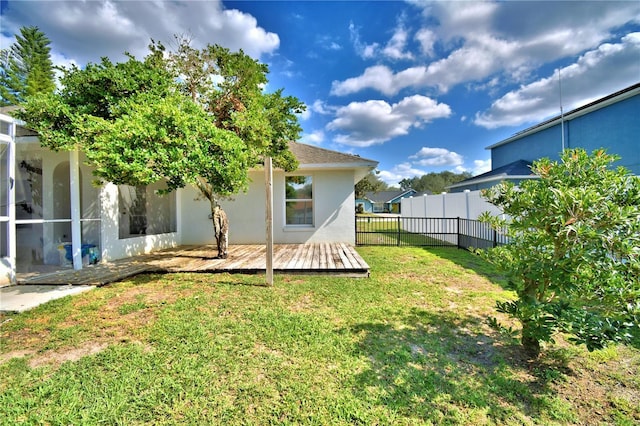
x=52, y=216
x=48, y=206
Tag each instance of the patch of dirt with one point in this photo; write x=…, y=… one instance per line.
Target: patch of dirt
x=598, y=393
x=15, y=354
x=68, y=354
x=304, y=303
x=108, y=325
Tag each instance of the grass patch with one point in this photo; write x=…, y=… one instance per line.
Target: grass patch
x=409, y=345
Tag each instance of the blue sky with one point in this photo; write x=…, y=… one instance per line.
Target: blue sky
x=418, y=86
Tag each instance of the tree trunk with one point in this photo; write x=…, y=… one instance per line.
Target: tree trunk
x=207, y=192
x=530, y=343
x=530, y=296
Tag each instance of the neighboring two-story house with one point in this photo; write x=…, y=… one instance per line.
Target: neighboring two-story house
x=612, y=122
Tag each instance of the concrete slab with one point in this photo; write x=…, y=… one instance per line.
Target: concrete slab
x=20, y=298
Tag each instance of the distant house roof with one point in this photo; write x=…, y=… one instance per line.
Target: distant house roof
x=585, y=109
x=388, y=196
x=520, y=169
x=313, y=157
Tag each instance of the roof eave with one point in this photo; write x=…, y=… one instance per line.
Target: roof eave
x=500, y=177
x=370, y=165
x=578, y=112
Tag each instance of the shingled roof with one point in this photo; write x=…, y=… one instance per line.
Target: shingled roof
x=518, y=169
x=313, y=155
x=314, y=158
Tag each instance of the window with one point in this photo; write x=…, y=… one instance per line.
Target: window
x=299, y=200
x=144, y=212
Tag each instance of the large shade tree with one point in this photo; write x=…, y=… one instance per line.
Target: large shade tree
x=573, y=258
x=144, y=121
x=26, y=67
x=229, y=86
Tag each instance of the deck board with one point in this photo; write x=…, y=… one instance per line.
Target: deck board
x=317, y=258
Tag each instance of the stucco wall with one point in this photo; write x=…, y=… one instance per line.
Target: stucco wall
x=333, y=207
x=115, y=248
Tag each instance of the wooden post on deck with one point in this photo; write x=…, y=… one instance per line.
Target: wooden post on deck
x=268, y=177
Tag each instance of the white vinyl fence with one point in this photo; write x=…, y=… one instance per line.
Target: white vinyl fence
x=465, y=205
x=447, y=217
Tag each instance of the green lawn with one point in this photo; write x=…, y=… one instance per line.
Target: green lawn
x=407, y=346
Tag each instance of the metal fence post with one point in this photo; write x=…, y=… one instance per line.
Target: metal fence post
x=458, y=232
x=398, y=231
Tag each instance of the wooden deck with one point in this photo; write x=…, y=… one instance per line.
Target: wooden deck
x=323, y=258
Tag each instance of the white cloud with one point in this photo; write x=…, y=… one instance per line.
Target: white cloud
x=326, y=42
x=436, y=157
x=484, y=40
x=395, y=47
x=320, y=107
x=365, y=51
x=85, y=31
x=585, y=80
x=460, y=19
x=480, y=167
x=427, y=40
x=314, y=138
x=383, y=79
x=431, y=157
x=398, y=172
x=376, y=121
x=378, y=77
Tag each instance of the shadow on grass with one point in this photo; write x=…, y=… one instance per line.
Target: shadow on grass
x=252, y=279
x=469, y=260
x=436, y=368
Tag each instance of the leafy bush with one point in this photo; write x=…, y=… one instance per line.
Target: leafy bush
x=574, y=252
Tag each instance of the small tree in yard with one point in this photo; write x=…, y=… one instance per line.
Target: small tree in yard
x=573, y=256
x=138, y=122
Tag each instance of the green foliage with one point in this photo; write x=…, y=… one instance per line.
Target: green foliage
x=229, y=86
x=434, y=182
x=196, y=117
x=574, y=251
x=27, y=68
x=370, y=183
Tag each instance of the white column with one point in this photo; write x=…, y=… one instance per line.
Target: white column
x=11, y=249
x=74, y=189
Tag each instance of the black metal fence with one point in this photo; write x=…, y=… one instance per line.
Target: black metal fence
x=426, y=231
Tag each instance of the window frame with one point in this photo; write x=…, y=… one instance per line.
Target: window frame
x=150, y=219
x=296, y=200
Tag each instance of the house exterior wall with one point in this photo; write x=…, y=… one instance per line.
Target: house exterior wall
x=115, y=248
x=366, y=205
x=479, y=186
x=546, y=143
x=614, y=127
x=333, y=209
x=100, y=215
